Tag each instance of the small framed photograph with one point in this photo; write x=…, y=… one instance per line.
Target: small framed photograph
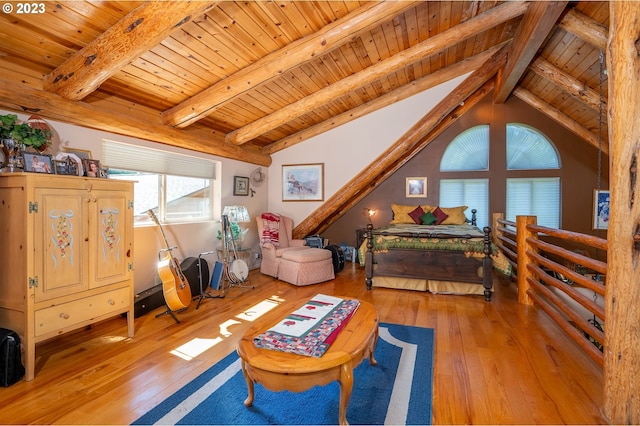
x=601, y=204
x=65, y=167
x=91, y=168
x=240, y=185
x=303, y=182
x=416, y=187
x=83, y=154
x=37, y=163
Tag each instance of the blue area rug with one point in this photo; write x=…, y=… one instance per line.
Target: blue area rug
x=395, y=391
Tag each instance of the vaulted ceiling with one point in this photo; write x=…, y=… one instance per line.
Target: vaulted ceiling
x=246, y=79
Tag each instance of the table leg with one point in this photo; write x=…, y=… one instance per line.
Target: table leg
x=372, y=348
x=250, y=387
x=346, y=385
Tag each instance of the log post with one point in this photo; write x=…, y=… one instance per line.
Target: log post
x=523, y=247
x=621, y=396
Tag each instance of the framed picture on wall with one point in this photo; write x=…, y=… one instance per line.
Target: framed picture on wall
x=601, y=204
x=303, y=182
x=83, y=154
x=416, y=187
x=240, y=185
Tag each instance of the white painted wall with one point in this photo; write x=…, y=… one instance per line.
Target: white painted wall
x=348, y=149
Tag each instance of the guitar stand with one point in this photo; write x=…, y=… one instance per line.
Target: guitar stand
x=170, y=312
x=205, y=294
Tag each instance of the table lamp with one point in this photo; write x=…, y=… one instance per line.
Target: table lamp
x=237, y=215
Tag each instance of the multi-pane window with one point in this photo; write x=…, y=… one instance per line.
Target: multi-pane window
x=178, y=188
x=526, y=149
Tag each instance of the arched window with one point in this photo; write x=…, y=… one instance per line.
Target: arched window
x=468, y=151
x=528, y=149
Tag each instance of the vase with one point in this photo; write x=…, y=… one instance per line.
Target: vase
x=14, y=151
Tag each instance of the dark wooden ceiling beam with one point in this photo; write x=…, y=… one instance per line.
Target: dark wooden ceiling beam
x=588, y=29
x=568, y=83
x=21, y=98
x=403, y=92
x=561, y=118
x=139, y=31
x=532, y=32
x=421, y=134
x=439, y=42
x=275, y=64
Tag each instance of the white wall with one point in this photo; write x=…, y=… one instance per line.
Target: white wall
x=348, y=149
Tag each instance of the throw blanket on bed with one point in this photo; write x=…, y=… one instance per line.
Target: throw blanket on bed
x=270, y=229
x=311, y=329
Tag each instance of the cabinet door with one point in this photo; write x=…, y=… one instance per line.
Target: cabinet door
x=110, y=243
x=59, y=242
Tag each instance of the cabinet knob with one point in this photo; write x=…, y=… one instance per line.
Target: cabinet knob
x=64, y=316
x=112, y=302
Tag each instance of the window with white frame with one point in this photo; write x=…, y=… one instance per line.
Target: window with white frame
x=467, y=192
x=177, y=187
x=469, y=151
x=529, y=149
x=526, y=149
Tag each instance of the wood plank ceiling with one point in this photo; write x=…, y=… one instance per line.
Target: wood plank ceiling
x=246, y=79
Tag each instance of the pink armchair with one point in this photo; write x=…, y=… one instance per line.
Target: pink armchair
x=271, y=255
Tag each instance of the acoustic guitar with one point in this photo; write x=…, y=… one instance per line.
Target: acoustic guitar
x=175, y=287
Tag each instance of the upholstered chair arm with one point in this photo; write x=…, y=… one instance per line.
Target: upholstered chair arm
x=268, y=250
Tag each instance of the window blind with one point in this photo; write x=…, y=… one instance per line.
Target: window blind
x=118, y=155
x=473, y=193
x=537, y=197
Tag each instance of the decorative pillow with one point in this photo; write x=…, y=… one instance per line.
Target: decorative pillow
x=428, y=218
x=415, y=214
x=455, y=215
x=401, y=213
x=440, y=216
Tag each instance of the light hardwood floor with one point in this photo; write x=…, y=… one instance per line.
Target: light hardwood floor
x=495, y=362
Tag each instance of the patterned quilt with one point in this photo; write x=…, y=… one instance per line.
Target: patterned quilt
x=311, y=329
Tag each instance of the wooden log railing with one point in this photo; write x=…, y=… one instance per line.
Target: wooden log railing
x=504, y=237
x=555, y=276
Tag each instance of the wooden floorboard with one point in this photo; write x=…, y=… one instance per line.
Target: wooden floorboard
x=496, y=362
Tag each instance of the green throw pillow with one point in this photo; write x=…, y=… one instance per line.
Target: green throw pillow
x=428, y=218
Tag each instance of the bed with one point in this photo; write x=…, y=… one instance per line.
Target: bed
x=449, y=255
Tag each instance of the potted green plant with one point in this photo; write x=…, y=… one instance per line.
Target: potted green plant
x=31, y=136
x=7, y=123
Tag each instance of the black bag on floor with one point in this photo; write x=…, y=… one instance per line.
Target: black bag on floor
x=11, y=368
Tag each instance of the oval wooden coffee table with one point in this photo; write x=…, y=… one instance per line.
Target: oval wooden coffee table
x=278, y=371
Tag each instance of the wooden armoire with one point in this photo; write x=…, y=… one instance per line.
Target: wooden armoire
x=66, y=255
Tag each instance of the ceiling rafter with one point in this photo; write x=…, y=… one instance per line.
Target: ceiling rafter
x=303, y=50
x=460, y=100
x=586, y=28
x=403, y=92
x=534, y=29
x=21, y=98
x=569, y=84
x=560, y=118
x=441, y=41
x=139, y=31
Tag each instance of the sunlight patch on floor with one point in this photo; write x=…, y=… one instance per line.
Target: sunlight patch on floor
x=195, y=347
x=261, y=308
